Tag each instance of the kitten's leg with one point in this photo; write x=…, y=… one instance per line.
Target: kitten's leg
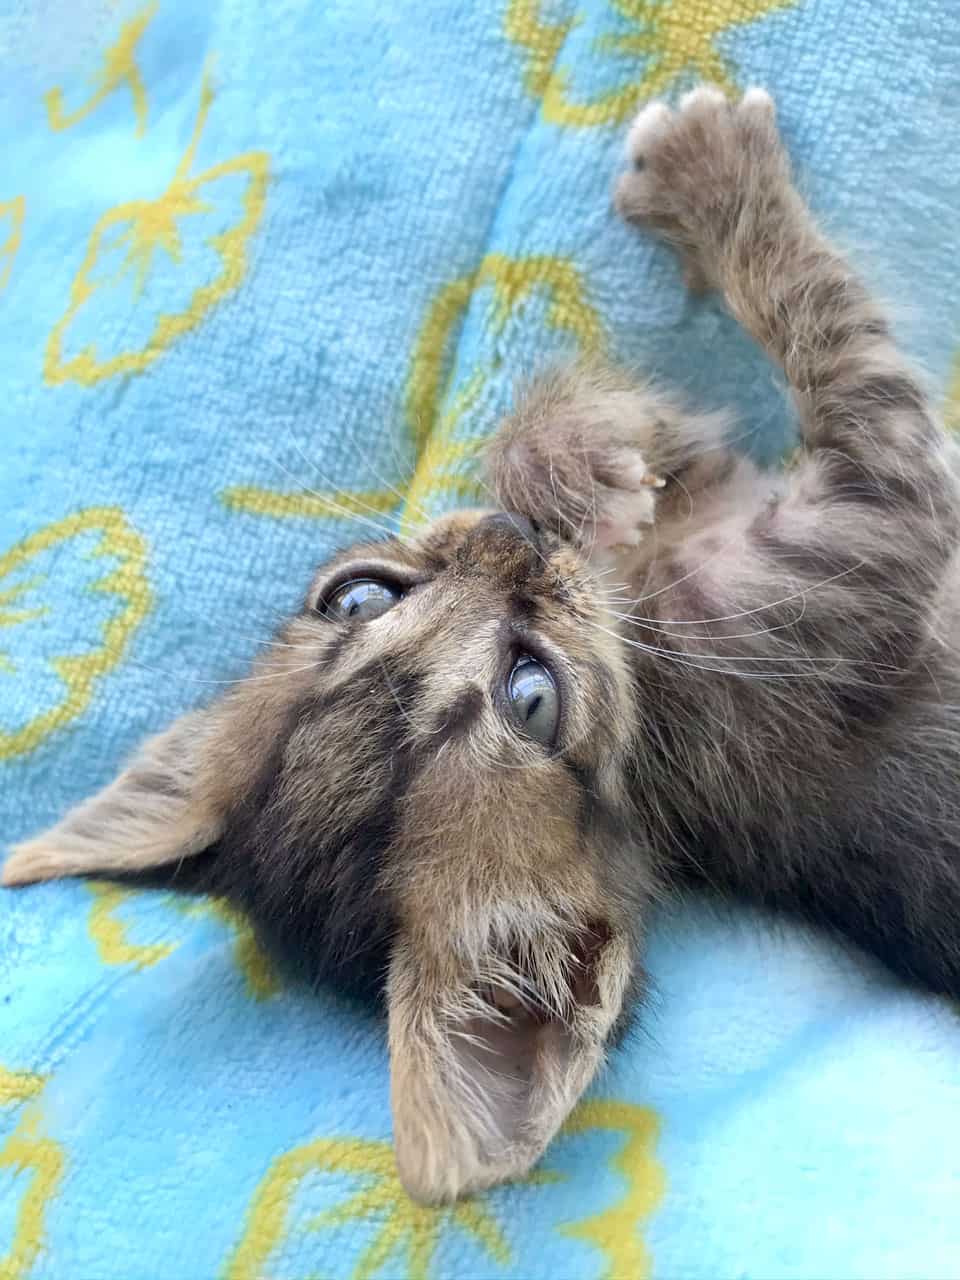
x=877, y=490
x=830, y=788
x=714, y=179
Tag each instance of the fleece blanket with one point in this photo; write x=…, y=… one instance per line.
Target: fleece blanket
x=267, y=272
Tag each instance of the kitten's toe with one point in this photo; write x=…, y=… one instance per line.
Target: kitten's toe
x=759, y=102
x=635, y=191
x=625, y=513
x=650, y=122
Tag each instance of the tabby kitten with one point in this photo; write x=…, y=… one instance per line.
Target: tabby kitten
x=468, y=799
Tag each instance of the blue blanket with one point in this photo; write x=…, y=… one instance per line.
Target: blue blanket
x=267, y=271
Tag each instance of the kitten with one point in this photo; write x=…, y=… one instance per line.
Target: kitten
x=469, y=800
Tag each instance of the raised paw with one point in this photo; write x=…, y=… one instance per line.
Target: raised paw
x=575, y=457
x=698, y=170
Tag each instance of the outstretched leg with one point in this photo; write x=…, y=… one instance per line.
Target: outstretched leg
x=834, y=791
x=713, y=179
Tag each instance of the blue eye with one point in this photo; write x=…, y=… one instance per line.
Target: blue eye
x=363, y=599
x=534, y=700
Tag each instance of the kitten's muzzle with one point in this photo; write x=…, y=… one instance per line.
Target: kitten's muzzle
x=509, y=524
x=504, y=547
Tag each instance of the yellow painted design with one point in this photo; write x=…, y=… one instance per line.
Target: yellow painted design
x=666, y=38
x=119, y=68
x=433, y=410
x=403, y=1227
x=543, y=40
x=110, y=933
x=342, y=502
x=261, y=978
x=146, y=226
x=513, y=282
x=27, y=1152
x=19, y=1086
x=12, y=212
x=11, y=617
x=127, y=582
x=615, y=1231
x=409, y=1233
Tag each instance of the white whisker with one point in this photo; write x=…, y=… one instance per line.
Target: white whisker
x=340, y=509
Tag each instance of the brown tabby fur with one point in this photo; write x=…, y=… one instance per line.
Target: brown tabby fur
x=772, y=708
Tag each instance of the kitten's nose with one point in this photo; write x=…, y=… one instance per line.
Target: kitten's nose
x=504, y=546
x=508, y=523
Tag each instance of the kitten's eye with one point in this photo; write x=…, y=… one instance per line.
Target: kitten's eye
x=534, y=700
x=363, y=598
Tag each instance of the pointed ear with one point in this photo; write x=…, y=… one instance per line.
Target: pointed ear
x=484, y=1071
x=169, y=803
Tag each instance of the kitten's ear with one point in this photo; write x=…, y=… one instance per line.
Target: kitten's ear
x=484, y=1071
x=169, y=803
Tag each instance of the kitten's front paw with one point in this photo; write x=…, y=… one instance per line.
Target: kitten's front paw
x=574, y=457
x=694, y=169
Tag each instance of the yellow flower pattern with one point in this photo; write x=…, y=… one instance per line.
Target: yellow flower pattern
x=18, y=1086
x=667, y=37
x=403, y=1227
x=110, y=932
x=123, y=580
x=541, y=40
x=115, y=947
x=411, y=1232
x=139, y=230
x=12, y=212
x=434, y=408
x=615, y=1230
x=119, y=68
x=35, y=1163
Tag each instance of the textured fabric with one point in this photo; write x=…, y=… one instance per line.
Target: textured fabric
x=252, y=249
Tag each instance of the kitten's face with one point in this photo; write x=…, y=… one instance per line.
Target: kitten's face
x=441, y=806
x=421, y=790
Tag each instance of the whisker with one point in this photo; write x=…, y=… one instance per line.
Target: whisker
x=746, y=613
x=685, y=660
x=396, y=697
x=692, y=573
x=675, y=479
x=179, y=675
x=328, y=480
x=382, y=528
x=403, y=498
x=738, y=635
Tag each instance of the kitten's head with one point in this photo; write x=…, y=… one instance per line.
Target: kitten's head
x=421, y=791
